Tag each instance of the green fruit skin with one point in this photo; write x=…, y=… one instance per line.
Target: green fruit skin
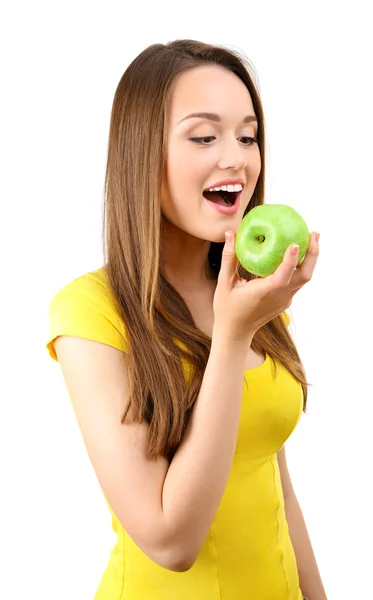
x=280, y=225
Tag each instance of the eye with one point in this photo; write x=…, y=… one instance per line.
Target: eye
x=202, y=140
x=205, y=141
x=248, y=141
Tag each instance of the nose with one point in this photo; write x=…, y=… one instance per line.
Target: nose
x=233, y=156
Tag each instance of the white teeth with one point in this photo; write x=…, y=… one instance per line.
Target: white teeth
x=227, y=188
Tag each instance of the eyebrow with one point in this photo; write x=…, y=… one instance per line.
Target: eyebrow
x=214, y=117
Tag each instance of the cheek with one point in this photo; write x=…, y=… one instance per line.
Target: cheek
x=184, y=175
x=253, y=169
x=175, y=186
x=258, y=163
x=189, y=169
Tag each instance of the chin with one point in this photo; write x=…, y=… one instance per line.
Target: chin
x=218, y=239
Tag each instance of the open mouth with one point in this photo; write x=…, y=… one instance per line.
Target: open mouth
x=222, y=197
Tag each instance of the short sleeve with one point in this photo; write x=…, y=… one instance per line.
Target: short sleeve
x=85, y=308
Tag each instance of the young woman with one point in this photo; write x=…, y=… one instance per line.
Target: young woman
x=182, y=373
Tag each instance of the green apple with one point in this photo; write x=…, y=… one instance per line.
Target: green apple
x=265, y=233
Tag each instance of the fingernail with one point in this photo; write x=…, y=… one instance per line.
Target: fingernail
x=294, y=249
x=317, y=236
x=228, y=237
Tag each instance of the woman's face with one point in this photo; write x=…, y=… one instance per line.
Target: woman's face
x=224, y=150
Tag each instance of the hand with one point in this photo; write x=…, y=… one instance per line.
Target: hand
x=242, y=307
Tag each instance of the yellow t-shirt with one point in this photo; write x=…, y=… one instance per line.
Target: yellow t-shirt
x=247, y=554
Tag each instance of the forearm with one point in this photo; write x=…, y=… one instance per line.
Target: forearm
x=199, y=471
x=309, y=575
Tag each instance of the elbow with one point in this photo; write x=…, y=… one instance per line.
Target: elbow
x=175, y=559
x=172, y=552
x=182, y=565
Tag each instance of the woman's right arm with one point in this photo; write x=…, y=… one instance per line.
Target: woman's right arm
x=167, y=509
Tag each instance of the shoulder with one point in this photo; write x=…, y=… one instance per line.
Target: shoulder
x=85, y=307
x=95, y=282
x=89, y=289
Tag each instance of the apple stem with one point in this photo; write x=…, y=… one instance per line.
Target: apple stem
x=261, y=238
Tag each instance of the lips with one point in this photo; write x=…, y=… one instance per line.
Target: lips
x=225, y=192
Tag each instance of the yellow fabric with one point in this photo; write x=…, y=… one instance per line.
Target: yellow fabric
x=248, y=554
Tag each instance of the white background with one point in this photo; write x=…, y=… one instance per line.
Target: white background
x=61, y=65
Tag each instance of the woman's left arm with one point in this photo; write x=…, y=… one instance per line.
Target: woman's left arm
x=309, y=575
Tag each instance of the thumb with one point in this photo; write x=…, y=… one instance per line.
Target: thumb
x=228, y=258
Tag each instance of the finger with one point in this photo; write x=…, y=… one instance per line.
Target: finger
x=285, y=271
x=305, y=270
x=229, y=260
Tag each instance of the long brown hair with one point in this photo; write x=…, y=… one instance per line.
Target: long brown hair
x=155, y=315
